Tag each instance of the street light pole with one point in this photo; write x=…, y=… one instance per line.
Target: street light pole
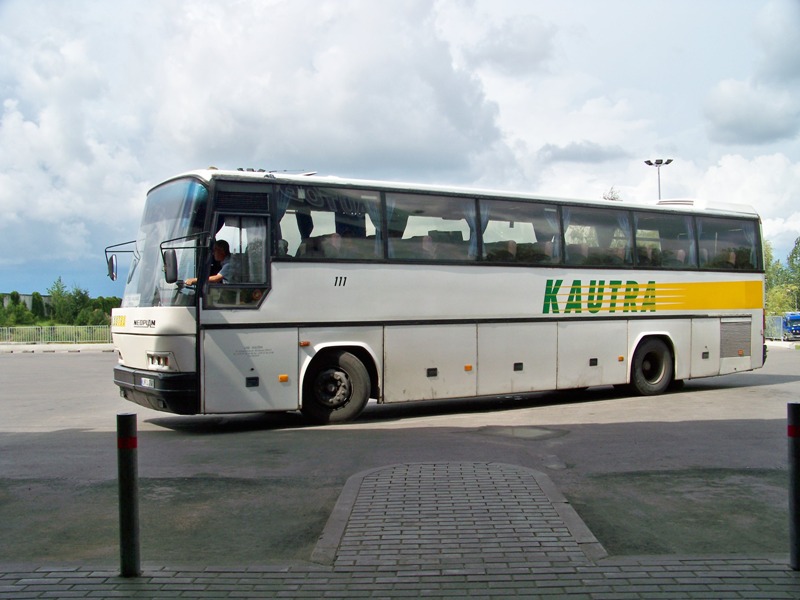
x=658, y=163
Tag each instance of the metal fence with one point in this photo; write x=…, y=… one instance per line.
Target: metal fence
x=56, y=334
x=774, y=328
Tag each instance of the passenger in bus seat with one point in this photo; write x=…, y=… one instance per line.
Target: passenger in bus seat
x=428, y=247
x=283, y=248
x=616, y=255
x=643, y=256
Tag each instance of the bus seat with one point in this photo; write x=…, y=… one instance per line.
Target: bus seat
x=537, y=252
x=501, y=251
x=310, y=248
x=407, y=248
x=576, y=254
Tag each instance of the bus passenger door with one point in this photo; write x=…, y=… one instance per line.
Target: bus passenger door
x=249, y=370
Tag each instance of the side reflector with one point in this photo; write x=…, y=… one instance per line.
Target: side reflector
x=304, y=343
x=468, y=368
x=283, y=378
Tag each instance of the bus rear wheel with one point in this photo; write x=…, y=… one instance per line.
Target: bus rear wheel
x=336, y=388
x=652, y=369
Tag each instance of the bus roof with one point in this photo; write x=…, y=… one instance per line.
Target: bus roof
x=677, y=205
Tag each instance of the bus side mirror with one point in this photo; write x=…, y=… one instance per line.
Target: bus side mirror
x=170, y=265
x=112, y=267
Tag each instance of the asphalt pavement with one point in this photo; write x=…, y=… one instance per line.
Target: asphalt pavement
x=445, y=528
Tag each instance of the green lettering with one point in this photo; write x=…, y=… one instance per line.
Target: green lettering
x=594, y=299
x=551, y=296
x=631, y=293
x=649, y=302
x=612, y=304
x=574, y=300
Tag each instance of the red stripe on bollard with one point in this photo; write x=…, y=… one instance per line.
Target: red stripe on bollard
x=127, y=443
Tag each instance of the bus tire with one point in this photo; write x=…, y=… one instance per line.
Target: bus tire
x=652, y=369
x=335, y=389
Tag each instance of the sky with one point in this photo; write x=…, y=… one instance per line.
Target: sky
x=100, y=101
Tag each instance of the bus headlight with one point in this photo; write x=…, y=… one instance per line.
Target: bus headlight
x=162, y=361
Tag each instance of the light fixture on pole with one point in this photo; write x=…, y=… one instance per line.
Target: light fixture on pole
x=658, y=163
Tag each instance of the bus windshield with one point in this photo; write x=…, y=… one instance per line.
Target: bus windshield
x=174, y=210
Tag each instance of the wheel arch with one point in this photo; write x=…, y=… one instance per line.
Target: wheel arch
x=361, y=351
x=642, y=338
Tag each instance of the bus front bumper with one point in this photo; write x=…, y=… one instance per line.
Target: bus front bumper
x=168, y=392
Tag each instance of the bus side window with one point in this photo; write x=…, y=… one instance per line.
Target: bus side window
x=431, y=228
x=597, y=237
x=664, y=241
x=320, y=223
x=519, y=232
x=727, y=243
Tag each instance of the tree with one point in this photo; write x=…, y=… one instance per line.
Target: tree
x=79, y=300
x=59, y=301
x=775, y=273
x=37, y=306
x=66, y=306
x=781, y=299
x=793, y=264
x=612, y=195
x=16, y=313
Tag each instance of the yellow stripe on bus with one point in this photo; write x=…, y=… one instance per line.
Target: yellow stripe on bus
x=722, y=295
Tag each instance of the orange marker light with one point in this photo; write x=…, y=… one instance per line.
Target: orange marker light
x=468, y=368
x=304, y=343
x=283, y=378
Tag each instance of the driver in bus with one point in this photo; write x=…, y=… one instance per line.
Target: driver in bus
x=222, y=257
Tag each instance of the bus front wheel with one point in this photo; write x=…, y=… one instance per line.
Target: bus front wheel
x=336, y=388
x=652, y=368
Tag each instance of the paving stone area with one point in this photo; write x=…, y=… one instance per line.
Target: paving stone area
x=444, y=530
x=455, y=516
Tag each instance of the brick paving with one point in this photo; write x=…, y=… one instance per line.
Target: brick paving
x=442, y=530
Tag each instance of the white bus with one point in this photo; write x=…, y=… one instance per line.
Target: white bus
x=343, y=290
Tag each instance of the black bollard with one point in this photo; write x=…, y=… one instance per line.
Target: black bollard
x=127, y=442
x=794, y=485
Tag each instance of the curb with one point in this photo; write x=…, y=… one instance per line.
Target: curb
x=54, y=348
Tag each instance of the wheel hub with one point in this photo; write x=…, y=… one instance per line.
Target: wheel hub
x=334, y=387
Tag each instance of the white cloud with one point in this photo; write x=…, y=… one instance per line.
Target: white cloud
x=764, y=107
x=517, y=47
x=743, y=112
x=100, y=101
x=776, y=31
x=582, y=152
